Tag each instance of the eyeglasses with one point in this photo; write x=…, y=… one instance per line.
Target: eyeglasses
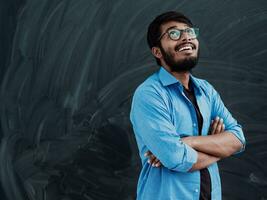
x=175, y=34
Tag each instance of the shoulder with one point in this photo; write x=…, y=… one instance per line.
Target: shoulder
x=151, y=85
x=151, y=93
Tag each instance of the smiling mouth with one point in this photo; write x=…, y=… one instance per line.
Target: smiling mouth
x=185, y=47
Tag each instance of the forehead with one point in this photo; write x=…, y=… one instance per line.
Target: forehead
x=178, y=25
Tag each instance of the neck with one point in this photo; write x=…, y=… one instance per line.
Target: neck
x=183, y=77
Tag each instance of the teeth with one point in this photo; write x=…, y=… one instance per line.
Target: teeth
x=185, y=48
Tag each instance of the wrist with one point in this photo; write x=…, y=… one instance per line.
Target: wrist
x=189, y=141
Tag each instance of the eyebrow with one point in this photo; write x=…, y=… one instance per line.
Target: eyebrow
x=171, y=28
x=174, y=27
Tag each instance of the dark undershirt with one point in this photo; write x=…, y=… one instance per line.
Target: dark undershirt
x=205, y=182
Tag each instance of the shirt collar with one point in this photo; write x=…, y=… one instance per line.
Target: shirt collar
x=167, y=78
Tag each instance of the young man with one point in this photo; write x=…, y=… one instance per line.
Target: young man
x=180, y=123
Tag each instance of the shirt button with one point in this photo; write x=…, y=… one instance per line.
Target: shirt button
x=194, y=124
x=196, y=190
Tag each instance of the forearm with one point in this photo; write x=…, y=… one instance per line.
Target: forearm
x=203, y=161
x=218, y=145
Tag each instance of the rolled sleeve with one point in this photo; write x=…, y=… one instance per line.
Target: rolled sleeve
x=151, y=122
x=190, y=160
x=238, y=132
x=231, y=125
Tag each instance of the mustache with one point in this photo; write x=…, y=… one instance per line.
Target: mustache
x=182, y=44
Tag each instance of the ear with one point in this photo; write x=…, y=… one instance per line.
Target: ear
x=156, y=52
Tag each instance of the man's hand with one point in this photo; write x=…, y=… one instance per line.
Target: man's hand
x=217, y=126
x=152, y=159
x=218, y=143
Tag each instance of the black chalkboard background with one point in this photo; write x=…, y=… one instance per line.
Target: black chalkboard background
x=68, y=72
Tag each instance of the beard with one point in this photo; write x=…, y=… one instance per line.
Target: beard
x=183, y=65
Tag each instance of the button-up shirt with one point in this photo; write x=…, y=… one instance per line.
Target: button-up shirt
x=161, y=115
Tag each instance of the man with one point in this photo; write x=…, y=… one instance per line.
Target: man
x=180, y=123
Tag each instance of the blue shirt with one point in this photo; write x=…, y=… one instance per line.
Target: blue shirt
x=161, y=114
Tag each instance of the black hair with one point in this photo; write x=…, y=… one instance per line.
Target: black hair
x=154, y=32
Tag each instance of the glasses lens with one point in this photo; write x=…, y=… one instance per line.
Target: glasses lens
x=192, y=32
x=174, y=34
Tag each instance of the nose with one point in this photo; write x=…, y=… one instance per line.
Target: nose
x=185, y=37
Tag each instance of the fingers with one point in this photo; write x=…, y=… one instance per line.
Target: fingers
x=217, y=126
x=148, y=153
x=214, y=125
x=156, y=163
x=152, y=159
x=223, y=128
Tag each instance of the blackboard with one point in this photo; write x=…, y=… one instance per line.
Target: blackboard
x=68, y=72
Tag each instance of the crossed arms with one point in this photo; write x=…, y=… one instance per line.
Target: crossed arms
x=154, y=130
x=219, y=144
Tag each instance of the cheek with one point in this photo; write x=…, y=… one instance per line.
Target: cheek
x=169, y=46
x=168, y=51
x=197, y=44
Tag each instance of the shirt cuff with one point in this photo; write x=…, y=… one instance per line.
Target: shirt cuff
x=189, y=159
x=240, y=138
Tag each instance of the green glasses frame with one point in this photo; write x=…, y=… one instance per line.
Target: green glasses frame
x=175, y=33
